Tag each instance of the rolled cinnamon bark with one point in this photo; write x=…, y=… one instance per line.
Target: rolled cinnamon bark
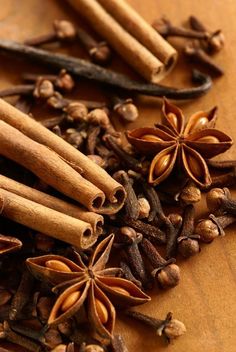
x=141, y=30
x=48, y=166
x=95, y=220
x=131, y=50
x=46, y=220
x=114, y=192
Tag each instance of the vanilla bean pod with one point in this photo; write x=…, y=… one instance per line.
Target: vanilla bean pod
x=93, y=72
x=188, y=241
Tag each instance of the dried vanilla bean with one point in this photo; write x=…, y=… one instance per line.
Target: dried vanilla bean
x=93, y=72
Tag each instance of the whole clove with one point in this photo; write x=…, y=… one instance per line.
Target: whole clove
x=131, y=203
x=197, y=54
x=215, y=40
x=219, y=201
x=125, y=108
x=190, y=194
x=22, y=294
x=209, y=229
x=172, y=235
x=167, y=29
x=169, y=328
x=165, y=272
x=188, y=241
x=93, y=72
x=118, y=344
x=62, y=31
x=128, y=275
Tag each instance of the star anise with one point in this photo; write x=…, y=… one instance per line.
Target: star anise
x=9, y=244
x=174, y=143
x=92, y=285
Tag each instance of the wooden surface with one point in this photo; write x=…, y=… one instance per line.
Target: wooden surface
x=205, y=299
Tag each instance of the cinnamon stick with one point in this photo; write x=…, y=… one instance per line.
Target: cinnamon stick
x=48, y=166
x=141, y=30
x=95, y=220
x=131, y=50
x=46, y=220
x=100, y=183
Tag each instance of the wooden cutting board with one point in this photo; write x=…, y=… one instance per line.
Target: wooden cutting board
x=205, y=299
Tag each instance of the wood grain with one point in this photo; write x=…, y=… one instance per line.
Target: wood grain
x=205, y=299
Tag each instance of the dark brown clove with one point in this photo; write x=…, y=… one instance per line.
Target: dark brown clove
x=153, y=233
x=21, y=89
x=209, y=229
x=93, y=72
x=128, y=275
x=188, y=241
x=62, y=31
x=215, y=40
x=169, y=328
x=99, y=52
x=134, y=257
x=22, y=294
x=131, y=202
x=166, y=272
x=125, y=108
x=125, y=158
x=219, y=201
x=197, y=54
x=9, y=335
x=63, y=80
x=166, y=29
x=224, y=164
x=172, y=235
x=190, y=194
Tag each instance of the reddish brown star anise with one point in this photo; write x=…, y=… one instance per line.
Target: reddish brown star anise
x=175, y=143
x=93, y=285
x=9, y=244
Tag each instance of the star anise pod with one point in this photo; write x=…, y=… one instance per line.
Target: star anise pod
x=9, y=244
x=174, y=143
x=92, y=285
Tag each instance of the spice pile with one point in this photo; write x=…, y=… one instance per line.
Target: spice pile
x=92, y=233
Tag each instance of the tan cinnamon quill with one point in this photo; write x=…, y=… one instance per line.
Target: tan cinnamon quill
x=46, y=220
x=96, y=180
x=141, y=30
x=134, y=49
x=95, y=220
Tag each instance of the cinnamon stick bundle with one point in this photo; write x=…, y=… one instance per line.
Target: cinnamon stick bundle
x=141, y=30
x=100, y=192
x=46, y=220
x=134, y=42
x=47, y=165
x=95, y=220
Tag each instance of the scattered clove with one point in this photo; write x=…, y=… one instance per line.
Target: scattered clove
x=209, y=229
x=166, y=272
x=125, y=108
x=197, y=54
x=219, y=201
x=188, y=241
x=169, y=328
